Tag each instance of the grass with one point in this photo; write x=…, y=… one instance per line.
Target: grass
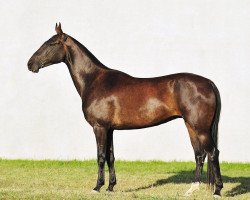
x=28, y=179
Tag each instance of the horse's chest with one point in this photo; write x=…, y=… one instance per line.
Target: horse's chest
x=101, y=110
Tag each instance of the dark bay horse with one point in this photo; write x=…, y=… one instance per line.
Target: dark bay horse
x=113, y=100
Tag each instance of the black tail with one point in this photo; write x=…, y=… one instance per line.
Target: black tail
x=214, y=131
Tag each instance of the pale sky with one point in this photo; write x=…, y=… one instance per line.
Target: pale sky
x=41, y=116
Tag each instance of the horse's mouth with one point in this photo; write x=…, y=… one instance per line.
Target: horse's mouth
x=34, y=69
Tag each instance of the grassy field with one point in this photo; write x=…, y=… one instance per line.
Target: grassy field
x=22, y=179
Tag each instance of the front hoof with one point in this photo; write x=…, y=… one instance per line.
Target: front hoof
x=216, y=196
x=95, y=190
x=109, y=190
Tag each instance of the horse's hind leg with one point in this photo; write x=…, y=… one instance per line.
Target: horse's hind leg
x=213, y=161
x=101, y=141
x=200, y=156
x=213, y=156
x=203, y=144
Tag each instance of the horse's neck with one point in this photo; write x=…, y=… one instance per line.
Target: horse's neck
x=82, y=68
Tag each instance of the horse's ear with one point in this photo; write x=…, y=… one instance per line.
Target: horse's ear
x=58, y=29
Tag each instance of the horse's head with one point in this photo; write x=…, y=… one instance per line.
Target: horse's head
x=51, y=52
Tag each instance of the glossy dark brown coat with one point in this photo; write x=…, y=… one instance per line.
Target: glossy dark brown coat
x=113, y=100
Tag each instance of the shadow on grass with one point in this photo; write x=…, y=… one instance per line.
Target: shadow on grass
x=187, y=176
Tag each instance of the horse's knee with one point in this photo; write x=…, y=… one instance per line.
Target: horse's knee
x=110, y=158
x=101, y=159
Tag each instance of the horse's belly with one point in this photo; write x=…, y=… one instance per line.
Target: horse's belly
x=150, y=113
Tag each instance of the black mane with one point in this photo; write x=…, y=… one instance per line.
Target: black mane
x=89, y=54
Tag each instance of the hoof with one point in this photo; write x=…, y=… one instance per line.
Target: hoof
x=95, y=191
x=109, y=191
x=110, y=188
x=194, y=186
x=216, y=196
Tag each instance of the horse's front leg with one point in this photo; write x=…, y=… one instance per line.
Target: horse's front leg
x=101, y=141
x=110, y=161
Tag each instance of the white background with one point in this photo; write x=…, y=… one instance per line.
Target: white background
x=40, y=114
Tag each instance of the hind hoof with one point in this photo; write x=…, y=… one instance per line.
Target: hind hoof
x=95, y=191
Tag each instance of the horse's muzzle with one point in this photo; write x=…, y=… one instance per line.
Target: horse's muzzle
x=32, y=67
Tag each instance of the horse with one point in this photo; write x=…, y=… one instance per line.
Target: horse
x=113, y=100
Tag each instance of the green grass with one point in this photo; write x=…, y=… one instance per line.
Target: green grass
x=27, y=179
